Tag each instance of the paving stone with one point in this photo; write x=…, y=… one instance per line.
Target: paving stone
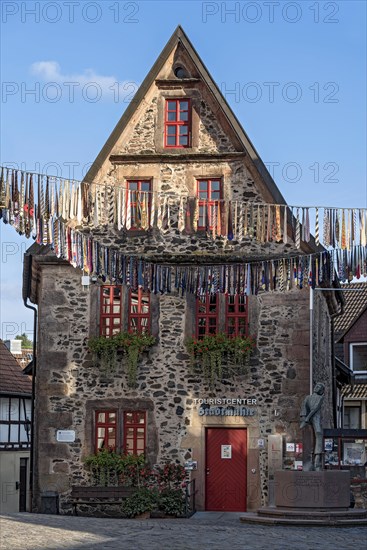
x=215, y=531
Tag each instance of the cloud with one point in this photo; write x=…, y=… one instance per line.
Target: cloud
x=109, y=86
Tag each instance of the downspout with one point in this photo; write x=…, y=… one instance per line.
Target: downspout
x=333, y=367
x=34, y=369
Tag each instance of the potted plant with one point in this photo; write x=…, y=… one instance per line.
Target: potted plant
x=140, y=504
x=132, y=344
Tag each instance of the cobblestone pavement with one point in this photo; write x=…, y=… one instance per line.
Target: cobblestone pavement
x=217, y=532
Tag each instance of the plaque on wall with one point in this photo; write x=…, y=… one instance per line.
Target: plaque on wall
x=65, y=436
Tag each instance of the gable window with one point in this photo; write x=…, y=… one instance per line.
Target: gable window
x=358, y=357
x=109, y=424
x=110, y=318
x=236, y=315
x=209, y=192
x=139, y=311
x=140, y=199
x=177, y=124
x=206, y=315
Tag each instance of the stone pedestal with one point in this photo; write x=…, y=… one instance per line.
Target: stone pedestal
x=309, y=498
x=323, y=490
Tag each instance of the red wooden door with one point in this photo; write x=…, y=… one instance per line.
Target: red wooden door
x=226, y=469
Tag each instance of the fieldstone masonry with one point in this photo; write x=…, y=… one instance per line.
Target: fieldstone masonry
x=70, y=387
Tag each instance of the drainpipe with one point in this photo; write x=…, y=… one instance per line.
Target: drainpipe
x=34, y=361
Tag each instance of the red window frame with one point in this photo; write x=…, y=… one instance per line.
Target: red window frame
x=174, y=127
x=139, y=311
x=110, y=320
x=138, y=186
x=209, y=192
x=106, y=425
x=206, y=315
x=134, y=439
x=236, y=315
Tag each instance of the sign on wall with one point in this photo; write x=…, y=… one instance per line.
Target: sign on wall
x=65, y=436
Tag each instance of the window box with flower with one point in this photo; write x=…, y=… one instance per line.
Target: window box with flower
x=218, y=356
x=132, y=344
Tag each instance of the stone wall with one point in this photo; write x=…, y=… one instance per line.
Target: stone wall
x=70, y=387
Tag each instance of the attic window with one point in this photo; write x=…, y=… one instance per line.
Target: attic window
x=180, y=72
x=177, y=124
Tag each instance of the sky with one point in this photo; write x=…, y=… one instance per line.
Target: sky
x=293, y=72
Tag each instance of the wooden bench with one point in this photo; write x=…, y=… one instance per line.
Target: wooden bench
x=99, y=495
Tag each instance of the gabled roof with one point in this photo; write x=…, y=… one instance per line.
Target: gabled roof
x=355, y=305
x=12, y=379
x=180, y=37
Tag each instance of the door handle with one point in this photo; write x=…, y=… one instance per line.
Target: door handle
x=207, y=471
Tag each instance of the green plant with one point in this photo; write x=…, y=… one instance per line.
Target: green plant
x=144, y=500
x=172, y=502
x=214, y=351
x=131, y=343
x=108, y=468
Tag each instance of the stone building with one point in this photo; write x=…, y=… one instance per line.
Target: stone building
x=178, y=137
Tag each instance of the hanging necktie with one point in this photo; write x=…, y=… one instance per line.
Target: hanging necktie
x=326, y=228
x=268, y=228
x=79, y=205
x=217, y=218
x=188, y=229
x=230, y=225
x=2, y=192
x=278, y=232
x=144, y=211
x=362, y=228
x=298, y=231
x=285, y=226
x=240, y=225
x=245, y=227
x=128, y=210
x=235, y=221
x=181, y=222
x=214, y=219
x=337, y=228
x=21, y=205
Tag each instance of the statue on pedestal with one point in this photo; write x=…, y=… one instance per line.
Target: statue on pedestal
x=311, y=414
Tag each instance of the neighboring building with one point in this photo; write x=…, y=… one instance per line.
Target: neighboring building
x=351, y=350
x=23, y=355
x=178, y=137
x=15, y=433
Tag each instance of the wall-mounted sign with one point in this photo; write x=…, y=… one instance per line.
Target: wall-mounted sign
x=290, y=447
x=328, y=444
x=226, y=451
x=226, y=401
x=261, y=443
x=65, y=436
x=226, y=411
x=191, y=465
